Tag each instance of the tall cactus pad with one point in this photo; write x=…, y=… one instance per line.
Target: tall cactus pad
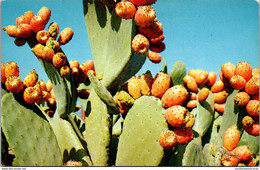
x=29, y=134
x=139, y=141
x=98, y=131
x=178, y=72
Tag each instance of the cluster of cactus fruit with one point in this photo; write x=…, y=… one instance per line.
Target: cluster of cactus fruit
x=173, y=119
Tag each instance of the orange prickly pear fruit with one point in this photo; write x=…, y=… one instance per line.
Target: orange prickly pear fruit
x=28, y=16
x=42, y=36
x=38, y=87
x=192, y=85
x=218, y=86
x=75, y=73
x=24, y=30
x=14, y=84
x=146, y=82
x=161, y=84
x=191, y=104
x=252, y=86
x=138, y=2
x=59, y=60
x=153, y=31
x=82, y=74
x=241, y=98
x=160, y=47
x=54, y=30
x=37, y=23
x=192, y=96
x=203, y=94
x=175, y=95
x=46, y=95
x=228, y=70
x=125, y=9
x=20, y=41
x=212, y=77
x=48, y=86
x=168, y=139
x=48, y=54
x=186, y=78
x=74, y=64
x=73, y=163
x=154, y=57
x=252, y=108
x=237, y=82
x=11, y=30
x=11, y=69
x=231, y=138
x=192, y=73
x=255, y=71
x=229, y=159
x=140, y=44
x=39, y=51
x=55, y=45
x=255, y=97
x=191, y=121
x=134, y=88
x=219, y=107
x=201, y=77
x=89, y=65
x=31, y=79
x=43, y=85
x=144, y=16
x=253, y=130
x=45, y=14
x=243, y=152
x=65, y=36
x=64, y=71
x=157, y=39
x=244, y=69
x=247, y=121
x=184, y=135
x=3, y=77
x=20, y=20
x=220, y=97
x=224, y=79
x=177, y=116
x=31, y=95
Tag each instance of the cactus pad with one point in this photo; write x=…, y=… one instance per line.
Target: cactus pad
x=178, y=72
x=139, y=141
x=251, y=141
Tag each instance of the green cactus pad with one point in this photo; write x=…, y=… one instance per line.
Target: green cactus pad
x=3, y=92
x=218, y=155
x=98, y=130
x=29, y=134
x=177, y=155
x=251, y=141
x=164, y=66
x=204, y=115
x=178, y=72
x=110, y=40
x=139, y=141
x=209, y=152
x=212, y=132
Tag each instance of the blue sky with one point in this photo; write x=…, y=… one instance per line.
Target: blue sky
x=203, y=34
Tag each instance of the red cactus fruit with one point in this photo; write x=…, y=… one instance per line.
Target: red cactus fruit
x=82, y=74
x=244, y=69
x=212, y=77
x=74, y=64
x=252, y=108
x=203, y=94
x=125, y=9
x=228, y=70
x=252, y=86
x=134, y=88
x=138, y=2
x=146, y=82
x=219, y=107
x=191, y=104
x=168, y=139
x=177, y=116
x=65, y=36
x=45, y=14
x=19, y=41
x=11, y=69
x=144, y=16
x=28, y=16
x=229, y=159
x=218, y=86
x=3, y=77
x=255, y=97
x=42, y=36
x=175, y=95
x=253, y=130
x=184, y=135
x=243, y=152
x=73, y=163
x=11, y=30
x=59, y=60
x=31, y=79
x=152, y=31
x=83, y=93
x=237, y=82
x=192, y=85
x=154, y=57
x=54, y=29
x=157, y=39
x=55, y=45
x=64, y=71
x=150, y=2
x=89, y=65
x=231, y=138
x=247, y=121
x=220, y=97
x=14, y=84
x=161, y=84
x=160, y=47
x=241, y=98
x=201, y=77
x=20, y=20
x=140, y=44
x=37, y=23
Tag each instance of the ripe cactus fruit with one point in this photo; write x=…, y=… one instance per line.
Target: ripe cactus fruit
x=247, y=121
x=154, y=57
x=138, y=2
x=31, y=94
x=184, y=135
x=43, y=52
x=59, y=60
x=11, y=30
x=231, y=138
x=73, y=163
x=31, y=79
x=218, y=86
x=191, y=104
x=201, y=77
x=186, y=78
x=64, y=71
x=228, y=70
x=224, y=79
x=212, y=77
x=160, y=47
x=150, y=2
x=161, y=84
x=28, y=16
x=42, y=36
x=219, y=107
x=191, y=121
x=20, y=41
x=24, y=30
x=65, y=36
x=252, y=108
x=252, y=86
x=3, y=77
x=54, y=29
x=45, y=14
x=37, y=23
x=244, y=69
x=14, y=84
x=241, y=98
x=55, y=45
x=144, y=16
x=229, y=159
x=125, y=9
x=175, y=95
x=243, y=152
x=237, y=82
x=89, y=65
x=146, y=81
x=123, y=98
x=253, y=130
x=153, y=31
x=168, y=139
x=48, y=86
x=11, y=69
x=140, y=44
x=177, y=116
x=133, y=87
x=43, y=85
x=192, y=85
x=203, y=94
x=220, y=97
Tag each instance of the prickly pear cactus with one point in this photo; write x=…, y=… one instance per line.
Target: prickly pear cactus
x=178, y=72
